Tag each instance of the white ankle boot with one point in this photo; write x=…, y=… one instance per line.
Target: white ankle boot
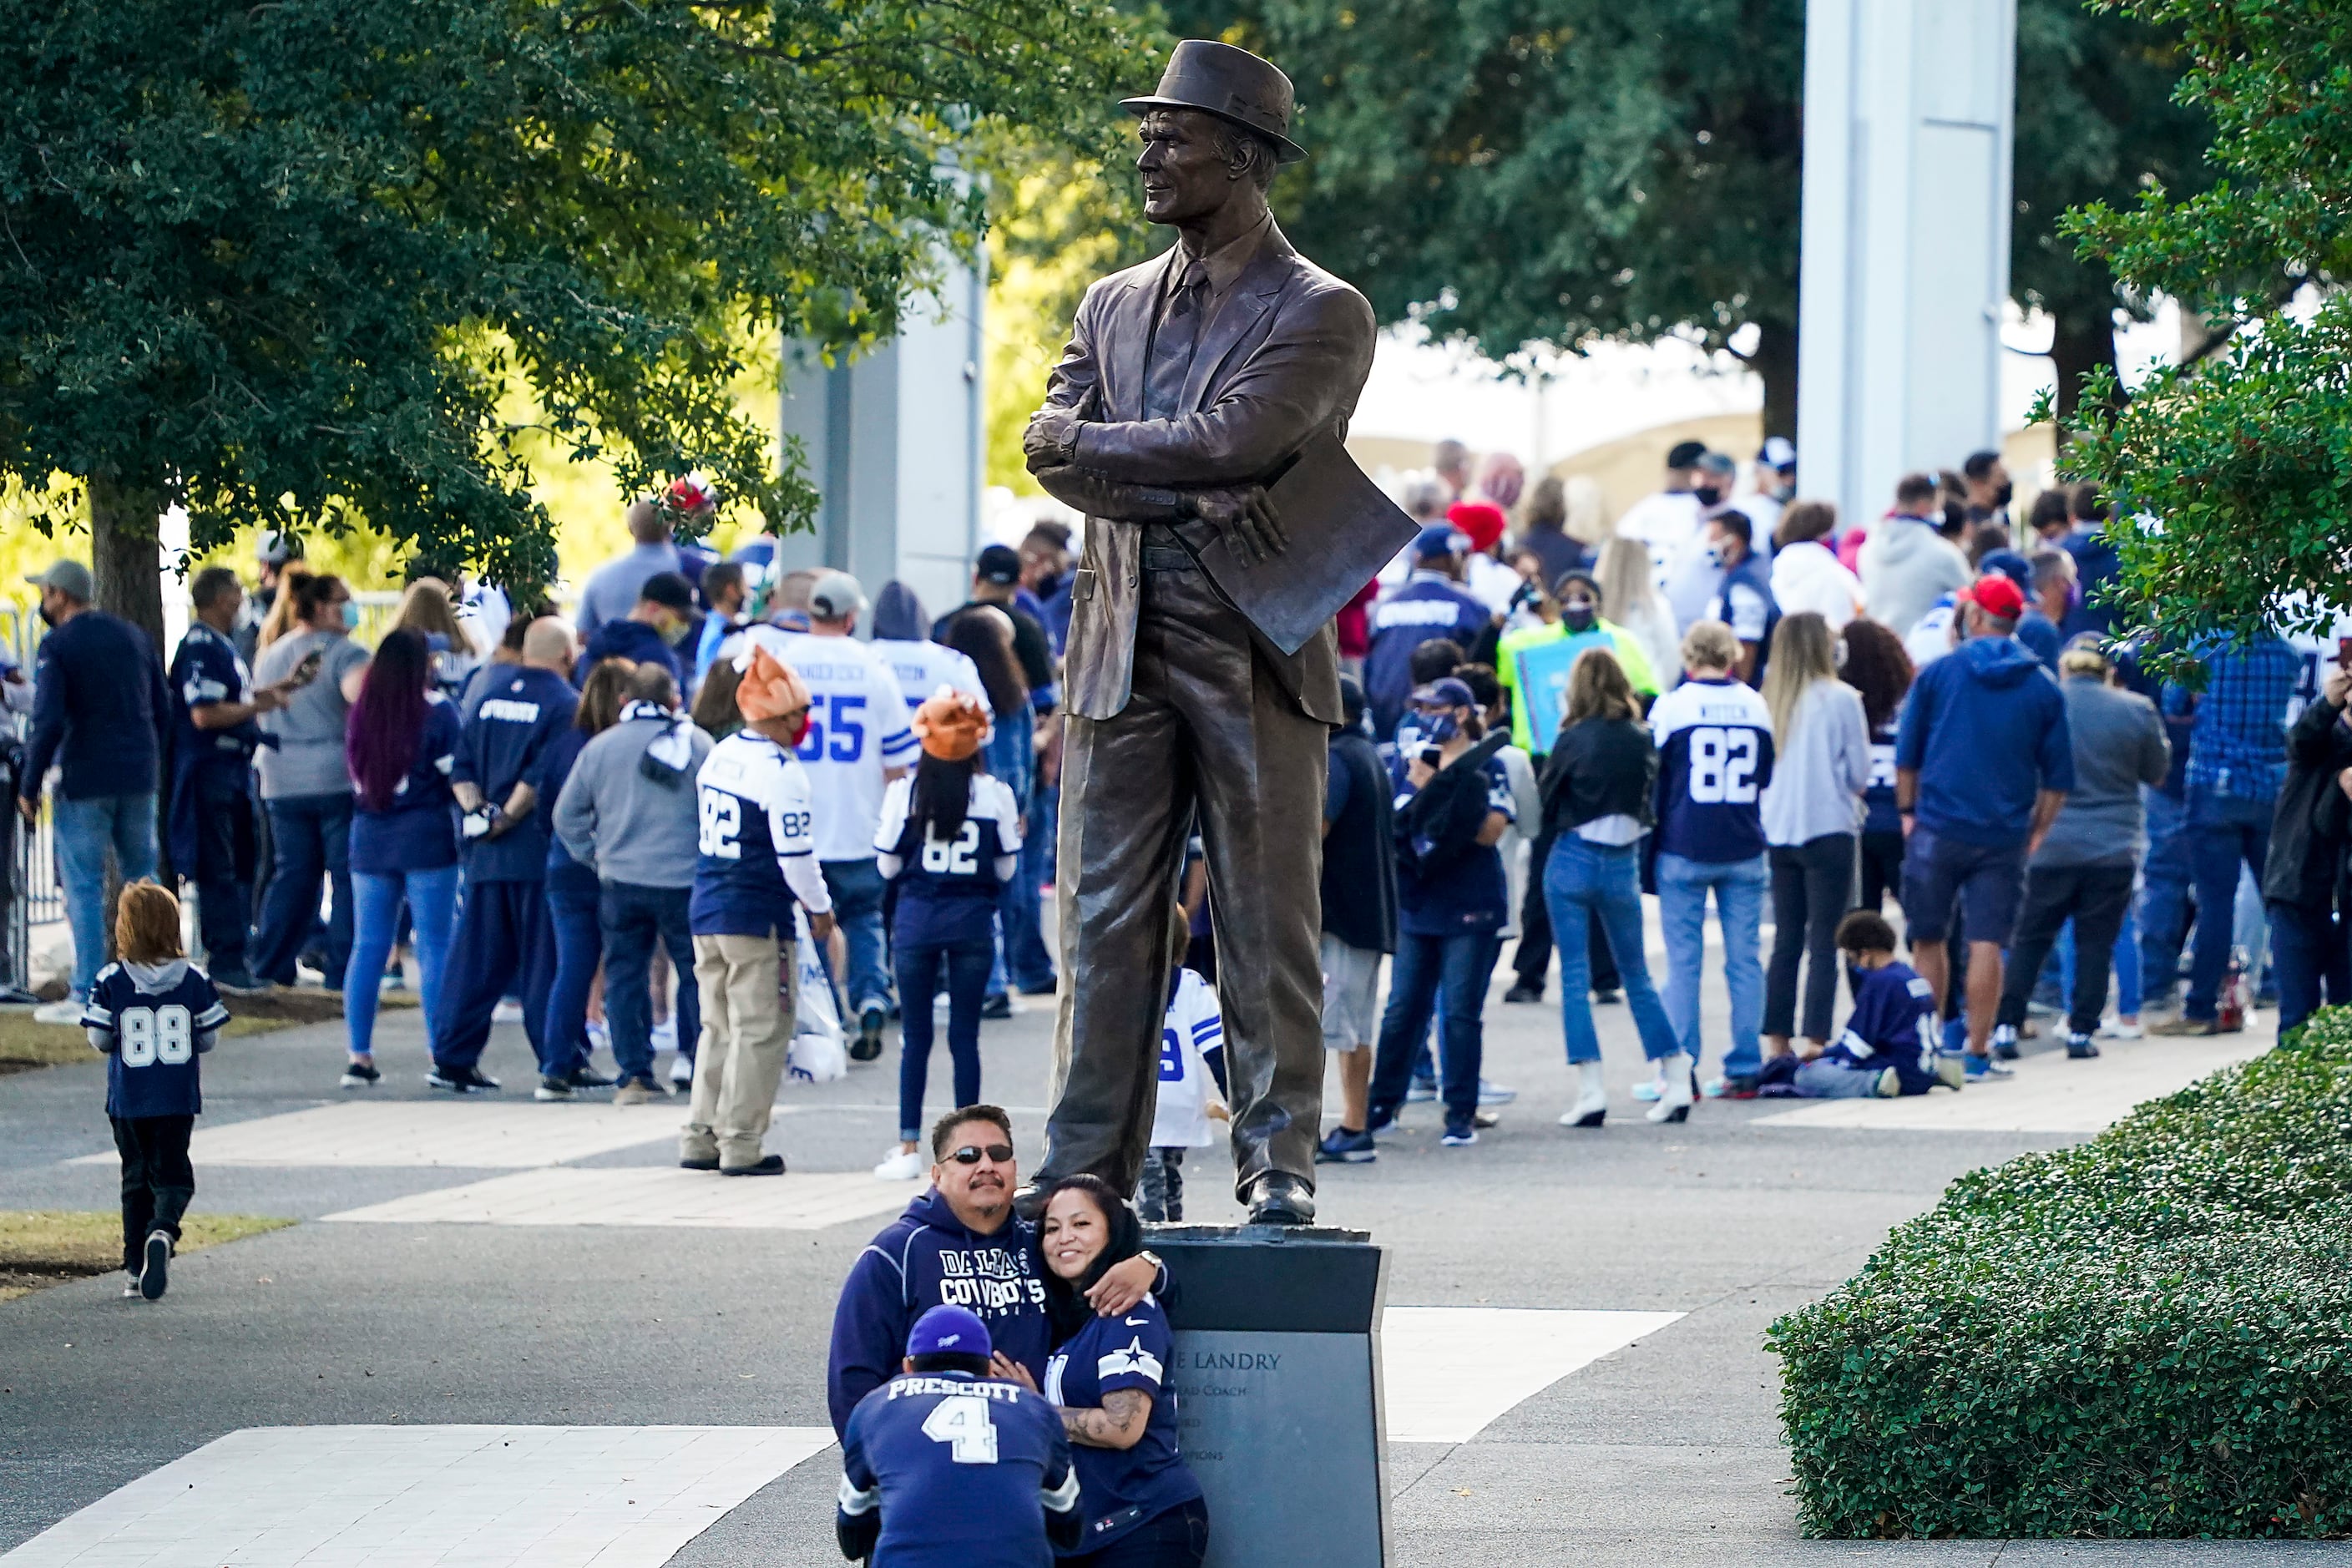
x=1674, y=1089
x=1591, y=1098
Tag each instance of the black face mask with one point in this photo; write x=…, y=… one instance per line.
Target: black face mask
x=1578, y=617
x=48, y=619
x=1709, y=494
x=2000, y=497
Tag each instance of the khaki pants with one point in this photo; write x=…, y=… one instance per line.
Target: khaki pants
x=750, y=991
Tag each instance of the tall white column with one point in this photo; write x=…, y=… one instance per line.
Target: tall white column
x=894, y=446
x=1904, y=256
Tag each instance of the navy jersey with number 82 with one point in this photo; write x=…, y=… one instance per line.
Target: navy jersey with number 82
x=1715, y=745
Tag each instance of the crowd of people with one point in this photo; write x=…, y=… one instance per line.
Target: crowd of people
x=1732, y=695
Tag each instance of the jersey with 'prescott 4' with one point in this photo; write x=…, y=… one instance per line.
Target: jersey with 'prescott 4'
x=1122, y=1488
x=1715, y=745
x=964, y=1473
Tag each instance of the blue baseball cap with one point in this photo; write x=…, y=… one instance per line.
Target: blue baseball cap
x=949, y=1331
x=2009, y=564
x=1446, y=692
x=1440, y=539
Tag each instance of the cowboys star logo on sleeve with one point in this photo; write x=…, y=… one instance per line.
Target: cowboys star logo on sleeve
x=1134, y=1358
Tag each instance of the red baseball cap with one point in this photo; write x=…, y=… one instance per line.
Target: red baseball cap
x=1996, y=597
x=1481, y=522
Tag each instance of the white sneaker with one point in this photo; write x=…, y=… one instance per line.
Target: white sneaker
x=507, y=1012
x=2116, y=1029
x=900, y=1166
x=66, y=1012
x=681, y=1071
x=666, y=1034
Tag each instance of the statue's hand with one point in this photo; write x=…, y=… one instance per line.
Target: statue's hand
x=1246, y=516
x=1051, y=439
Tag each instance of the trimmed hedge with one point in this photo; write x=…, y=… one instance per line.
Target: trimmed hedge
x=2148, y=1335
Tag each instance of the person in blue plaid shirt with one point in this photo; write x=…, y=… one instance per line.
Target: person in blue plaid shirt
x=2237, y=762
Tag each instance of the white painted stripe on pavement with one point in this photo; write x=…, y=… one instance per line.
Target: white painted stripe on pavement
x=389, y=1496
x=2049, y=1094
x=647, y=1195
x=1446, y=1372
x=424, y=1132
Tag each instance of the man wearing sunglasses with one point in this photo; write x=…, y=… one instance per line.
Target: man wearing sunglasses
x=960, y=1245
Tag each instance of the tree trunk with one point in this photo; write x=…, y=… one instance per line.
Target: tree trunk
x=129, y=577
x=1775, y=361
x=123, y=555
x=2080, y=343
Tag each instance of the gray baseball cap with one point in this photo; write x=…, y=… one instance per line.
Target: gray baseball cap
x=70, y=578
x=835, y=597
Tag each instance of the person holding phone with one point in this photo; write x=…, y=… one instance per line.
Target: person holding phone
x=306, y=786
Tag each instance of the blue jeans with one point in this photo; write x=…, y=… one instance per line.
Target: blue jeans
x=632, y=919
x=86, y=829
x=919, y=982
x=2127, y=962
x=1021, y=959
x=2309, y=949
x=1822, y=1079
x=1739, y=888
x=571, y=925
x=309, y=841
x=432, y=899
x=857, y=887
x=2164, y=876
x=2224, y=832
x=1584, y=882
x=1429, y=974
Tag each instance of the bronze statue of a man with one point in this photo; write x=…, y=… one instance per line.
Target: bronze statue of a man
x=1188, y=384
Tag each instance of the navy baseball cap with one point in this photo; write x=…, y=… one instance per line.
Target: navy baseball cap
x=1440, y=539
x=2009, y=564
x=1446, y=692
x=999, y=563
x=949, y=1331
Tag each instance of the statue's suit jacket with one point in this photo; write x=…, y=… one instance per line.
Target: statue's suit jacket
x=1284, y=356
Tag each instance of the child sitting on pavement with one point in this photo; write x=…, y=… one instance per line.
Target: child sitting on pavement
x=1889, y=1044
x=154, y=1014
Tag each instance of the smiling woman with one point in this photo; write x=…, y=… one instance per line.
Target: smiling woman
x=1144, y=1508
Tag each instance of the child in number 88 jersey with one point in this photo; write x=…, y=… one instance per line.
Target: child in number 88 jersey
x=154, y=1014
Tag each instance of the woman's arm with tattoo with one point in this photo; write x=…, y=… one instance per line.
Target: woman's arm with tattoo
x=1118, y=1422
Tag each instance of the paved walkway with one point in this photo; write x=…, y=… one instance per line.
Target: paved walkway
x=516, y=1334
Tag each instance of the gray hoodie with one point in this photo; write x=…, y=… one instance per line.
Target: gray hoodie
x=2119, y=745
x=1906, y=566
x=630, y=825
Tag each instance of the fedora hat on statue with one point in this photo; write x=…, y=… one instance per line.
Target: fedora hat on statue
x=1230, y=83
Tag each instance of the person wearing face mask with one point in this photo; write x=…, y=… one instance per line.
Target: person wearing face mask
x=1695, y=577
x=306, y=786
x=1986, y=488
x=1454, y=803
x=1774, y=473
x=1666, y=520
x=1743, y=599
x=653, y=632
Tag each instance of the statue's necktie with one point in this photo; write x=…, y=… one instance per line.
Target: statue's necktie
x=1173, y=345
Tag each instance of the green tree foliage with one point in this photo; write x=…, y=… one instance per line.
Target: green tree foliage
x=1517, y=171
x=284, y=262
x=2244, y=459
x=1556, y=171
x=2096, y=120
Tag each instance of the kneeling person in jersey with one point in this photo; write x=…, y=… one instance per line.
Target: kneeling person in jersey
x=1143, y=1503
x=757, y=860
x=1889, y=1045
x=154, y=1014
x=943, y=1467
x=951, y=840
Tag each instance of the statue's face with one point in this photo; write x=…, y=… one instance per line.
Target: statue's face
x=1187, y=166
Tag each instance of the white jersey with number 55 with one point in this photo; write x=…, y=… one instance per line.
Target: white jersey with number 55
x=1715, y=757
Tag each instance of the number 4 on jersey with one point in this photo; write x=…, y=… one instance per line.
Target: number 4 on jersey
x=961, y=1421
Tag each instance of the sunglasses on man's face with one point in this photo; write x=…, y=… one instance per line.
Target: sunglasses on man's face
x=970, y=1153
